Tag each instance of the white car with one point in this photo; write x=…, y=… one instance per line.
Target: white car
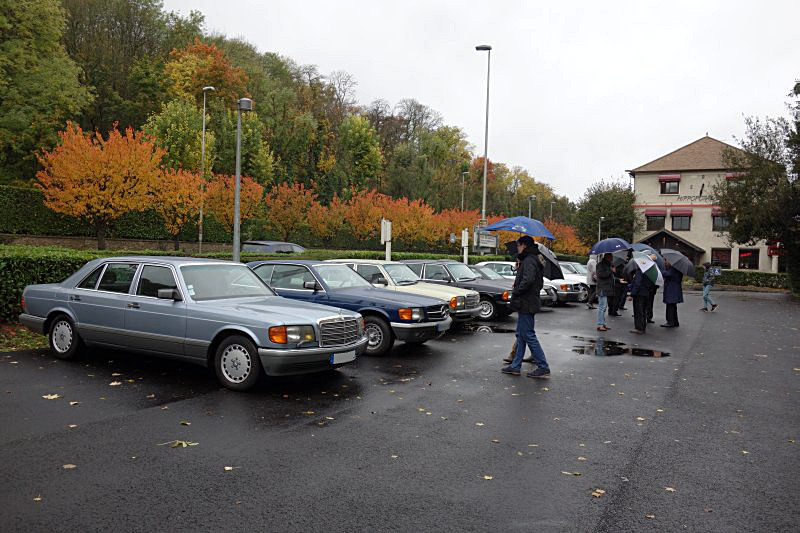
x=574, y=273
x=566, y=290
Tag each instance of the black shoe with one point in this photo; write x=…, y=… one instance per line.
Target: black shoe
x=636, y=331
x=528, y=360
x=668, y=326
x=538, y=373
x=590, y=307
x=614, y=314
x=714, y=307
x=509, y=370
x=703, y=309
x=508, y=359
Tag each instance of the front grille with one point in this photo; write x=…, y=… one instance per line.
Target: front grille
x=338, y=331
x=438, y=312
x=473, y=300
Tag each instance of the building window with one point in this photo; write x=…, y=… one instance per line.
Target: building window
x=721, y=257
x=748, y=258
x=681, y=223
x=720, y=223
x=669, y=187
x=655, y=223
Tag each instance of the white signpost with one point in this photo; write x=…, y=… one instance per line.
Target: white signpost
x=386, y=237
x=465, y=244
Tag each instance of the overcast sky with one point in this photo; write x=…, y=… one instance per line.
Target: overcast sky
x=579, y=90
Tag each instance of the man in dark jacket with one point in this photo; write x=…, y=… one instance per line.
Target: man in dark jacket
x=605, y=289
x=525, y=301
x=641, y=289
x=673, y=294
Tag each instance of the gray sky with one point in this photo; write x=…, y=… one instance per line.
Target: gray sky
x=579, y=90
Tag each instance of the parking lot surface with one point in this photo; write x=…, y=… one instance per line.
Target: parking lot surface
x=694, y=428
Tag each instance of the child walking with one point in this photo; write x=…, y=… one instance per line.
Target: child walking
x=708, y=283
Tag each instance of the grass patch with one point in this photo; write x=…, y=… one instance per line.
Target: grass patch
x=15, y=337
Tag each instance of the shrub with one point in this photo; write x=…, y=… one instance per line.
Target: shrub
x=747, y=278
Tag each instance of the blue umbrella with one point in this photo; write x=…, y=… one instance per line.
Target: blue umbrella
x=525, y=225
x=644, y=248
x=610, y=245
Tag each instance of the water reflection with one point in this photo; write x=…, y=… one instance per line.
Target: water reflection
x=602, y=347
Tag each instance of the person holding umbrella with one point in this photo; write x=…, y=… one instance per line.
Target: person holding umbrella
x=591, y=281
x=605, y=288
x=645, y=277
x=673, y=294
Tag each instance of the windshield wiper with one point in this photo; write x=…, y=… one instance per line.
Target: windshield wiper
x=467, y=279
x=407, y=282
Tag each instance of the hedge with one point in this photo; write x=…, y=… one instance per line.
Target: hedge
x=746, y=278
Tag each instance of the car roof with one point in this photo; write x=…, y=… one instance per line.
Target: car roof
x=439, y=261
x=365, y=261
x=169, y=260
x=270, y=242
x=305, y=262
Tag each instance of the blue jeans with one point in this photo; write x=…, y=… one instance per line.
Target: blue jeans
x=602, y=305
x=526, y=335
x=707, y=300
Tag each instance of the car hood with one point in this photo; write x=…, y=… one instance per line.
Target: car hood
x=488, y=285
x=386, y=297
x=435, y=291
x=277, y=309
x=575, y=278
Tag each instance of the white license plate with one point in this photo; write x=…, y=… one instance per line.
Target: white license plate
x=344, y=357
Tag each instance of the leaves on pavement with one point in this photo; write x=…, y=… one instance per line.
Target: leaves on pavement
x=51, y=396
x=115, y=384
x=179, y=443
x=68, y=466
x=598, y=493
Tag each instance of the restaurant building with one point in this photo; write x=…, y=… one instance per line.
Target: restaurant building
x=674, y=196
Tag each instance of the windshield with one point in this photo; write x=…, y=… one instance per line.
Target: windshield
x=341, y=277
x=216, y=282
x=487, y=272
x=460, y=271
x=401, y=274
x=581, y=269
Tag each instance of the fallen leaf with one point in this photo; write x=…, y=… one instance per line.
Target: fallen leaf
x=650, y=516
x=659, y=410
x=669, y=489
x=150, y=396
x=533, y=445
x=179, y=443
x=606, y=442
x=69, y=466
x=598, y=493
x=185, y=423
x=74, y=403
x=395, y=456
x=329, y=418
x=641, y=418
x=791, y=441
x=38, y=498
x=51, y=396
x=496, y=441
x=570, y=473
x=309, y=413
x=164, y=408
x=478, y=423
x=229, y=468
x=72, y=426
x=745, y=452
x=115, y=384
x=488, y=478
x=581, y=458
x=131, y=380
x=115, y=374
x=545, y=389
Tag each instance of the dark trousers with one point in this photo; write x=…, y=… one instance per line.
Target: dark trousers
x=590, y=297
x=614, y=300
x=650, y=301
x=672, y=315
x=640, y=312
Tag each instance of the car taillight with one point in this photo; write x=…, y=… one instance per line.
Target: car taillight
x=22, y=303
x=277, y=334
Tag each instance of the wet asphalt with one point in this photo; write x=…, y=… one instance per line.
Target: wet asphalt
x=702, y=437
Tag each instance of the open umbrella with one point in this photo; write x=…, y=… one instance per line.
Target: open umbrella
x=552, y=268
x=679, y=261
x=631, y=266
x=644, y=248
x=525, y=225
x=610, y=245
x=648, y=268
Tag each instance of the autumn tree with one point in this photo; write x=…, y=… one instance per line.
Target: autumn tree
x=363, y=214
x=100, y=179
x=178, y=199
x=220, y=196
x=288, y=207
x=567, y=241
x=200, y=64
x=178, y=129
x=327, y=221
x=612, y=200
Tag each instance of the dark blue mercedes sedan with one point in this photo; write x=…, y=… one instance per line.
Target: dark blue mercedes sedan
x=387, y=315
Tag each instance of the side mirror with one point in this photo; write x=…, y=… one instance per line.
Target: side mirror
x=380, y=281
x=169, y=294
x=311, y=285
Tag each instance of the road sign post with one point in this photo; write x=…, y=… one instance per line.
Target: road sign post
x=386, y=237
x=465, y=244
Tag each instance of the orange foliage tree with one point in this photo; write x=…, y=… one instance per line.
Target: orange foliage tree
x=99, y=179
x=178, y=199
x=220, y=195
x=288, y=207
x=567, y=241
x=200, y=64
x=325, y=222
x=363, y=214
x=453, y=221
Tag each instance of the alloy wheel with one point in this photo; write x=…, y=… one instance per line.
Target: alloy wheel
x=374, y=335
x=62, y=336
x=236, y=363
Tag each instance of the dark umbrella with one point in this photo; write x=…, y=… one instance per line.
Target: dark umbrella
x=679, y=261
x=648, y=250
x=610, y=245
x=552, y=268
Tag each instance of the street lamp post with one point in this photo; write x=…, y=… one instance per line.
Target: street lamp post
x=599, y=223
x=531, y=198
x=488, y=49
x=244, y=104
x=203, y=169
x=463, y=176
x=551, y=210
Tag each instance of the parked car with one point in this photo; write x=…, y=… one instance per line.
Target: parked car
x=213, y=313
x=395, y=276
x=495, y=297
x=566, y=291
x=388, y=315
x=575, y=273
x=547, y=296
x=272, y=247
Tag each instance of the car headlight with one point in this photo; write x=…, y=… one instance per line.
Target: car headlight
x=291, y=334
x=505, y=295
x=410, y=313
x=361, y=326
x=564, y=287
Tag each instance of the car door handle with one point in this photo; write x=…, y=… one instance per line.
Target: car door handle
x=133, y=306
x=75, y=298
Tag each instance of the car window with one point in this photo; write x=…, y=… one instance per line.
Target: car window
x=283, y=249
x=568, y=268
x=436, y=272
x=255, y=248
x=264, y=272
x=486, y=272
x=290, y=277
x=461, y=272
x=503, y=270
x=340, y=276
x=224, y=280
x=117, y=277
x=90, y=281
x=401, y=274
x=298, y=249
x=370, y=273
x=154, y=278
x=416, y=268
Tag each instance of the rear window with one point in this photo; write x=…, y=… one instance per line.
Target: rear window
x=118, y=277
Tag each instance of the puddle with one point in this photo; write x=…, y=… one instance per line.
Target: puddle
x=603, y=347
x=484, y=328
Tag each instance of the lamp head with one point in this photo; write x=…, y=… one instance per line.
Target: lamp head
x=208, y=88
x=245, y=104
x=483, y=48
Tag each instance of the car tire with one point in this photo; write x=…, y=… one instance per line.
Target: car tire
x=488, y=309
x=236, y=363
x=585, y=288
x=64, y=339
x=379, y=335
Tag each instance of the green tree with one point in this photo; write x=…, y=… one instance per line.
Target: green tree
x=39, y=84
x=612, y=200
x=360, y=159
x=763, y=202
x=178, y=130
x=256, y=157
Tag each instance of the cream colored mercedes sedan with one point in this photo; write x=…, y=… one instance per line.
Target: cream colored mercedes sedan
x=464, y=304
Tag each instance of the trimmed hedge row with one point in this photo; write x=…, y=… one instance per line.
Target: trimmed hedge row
x=746, y=278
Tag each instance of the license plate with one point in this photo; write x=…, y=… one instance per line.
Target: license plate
x=344, y=357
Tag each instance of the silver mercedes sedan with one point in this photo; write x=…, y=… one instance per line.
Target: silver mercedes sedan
x=214, y=313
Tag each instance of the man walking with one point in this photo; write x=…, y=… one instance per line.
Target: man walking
x=708, y=283
x=605, y=289
x=641, y=289
x=525, y=301
x=591, y=280
x=673, y=294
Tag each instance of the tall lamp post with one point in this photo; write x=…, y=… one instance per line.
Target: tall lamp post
x=488, y=49
x=599, y=224
x=551, y=209
x=463, y=176
x=203, y=169
x=531, y=198
x=244, y=104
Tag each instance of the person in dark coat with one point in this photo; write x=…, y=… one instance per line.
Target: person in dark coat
x=673, y=294
x=641, y=289
x=525, y=301
x=652, y=300
x=605, y=289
